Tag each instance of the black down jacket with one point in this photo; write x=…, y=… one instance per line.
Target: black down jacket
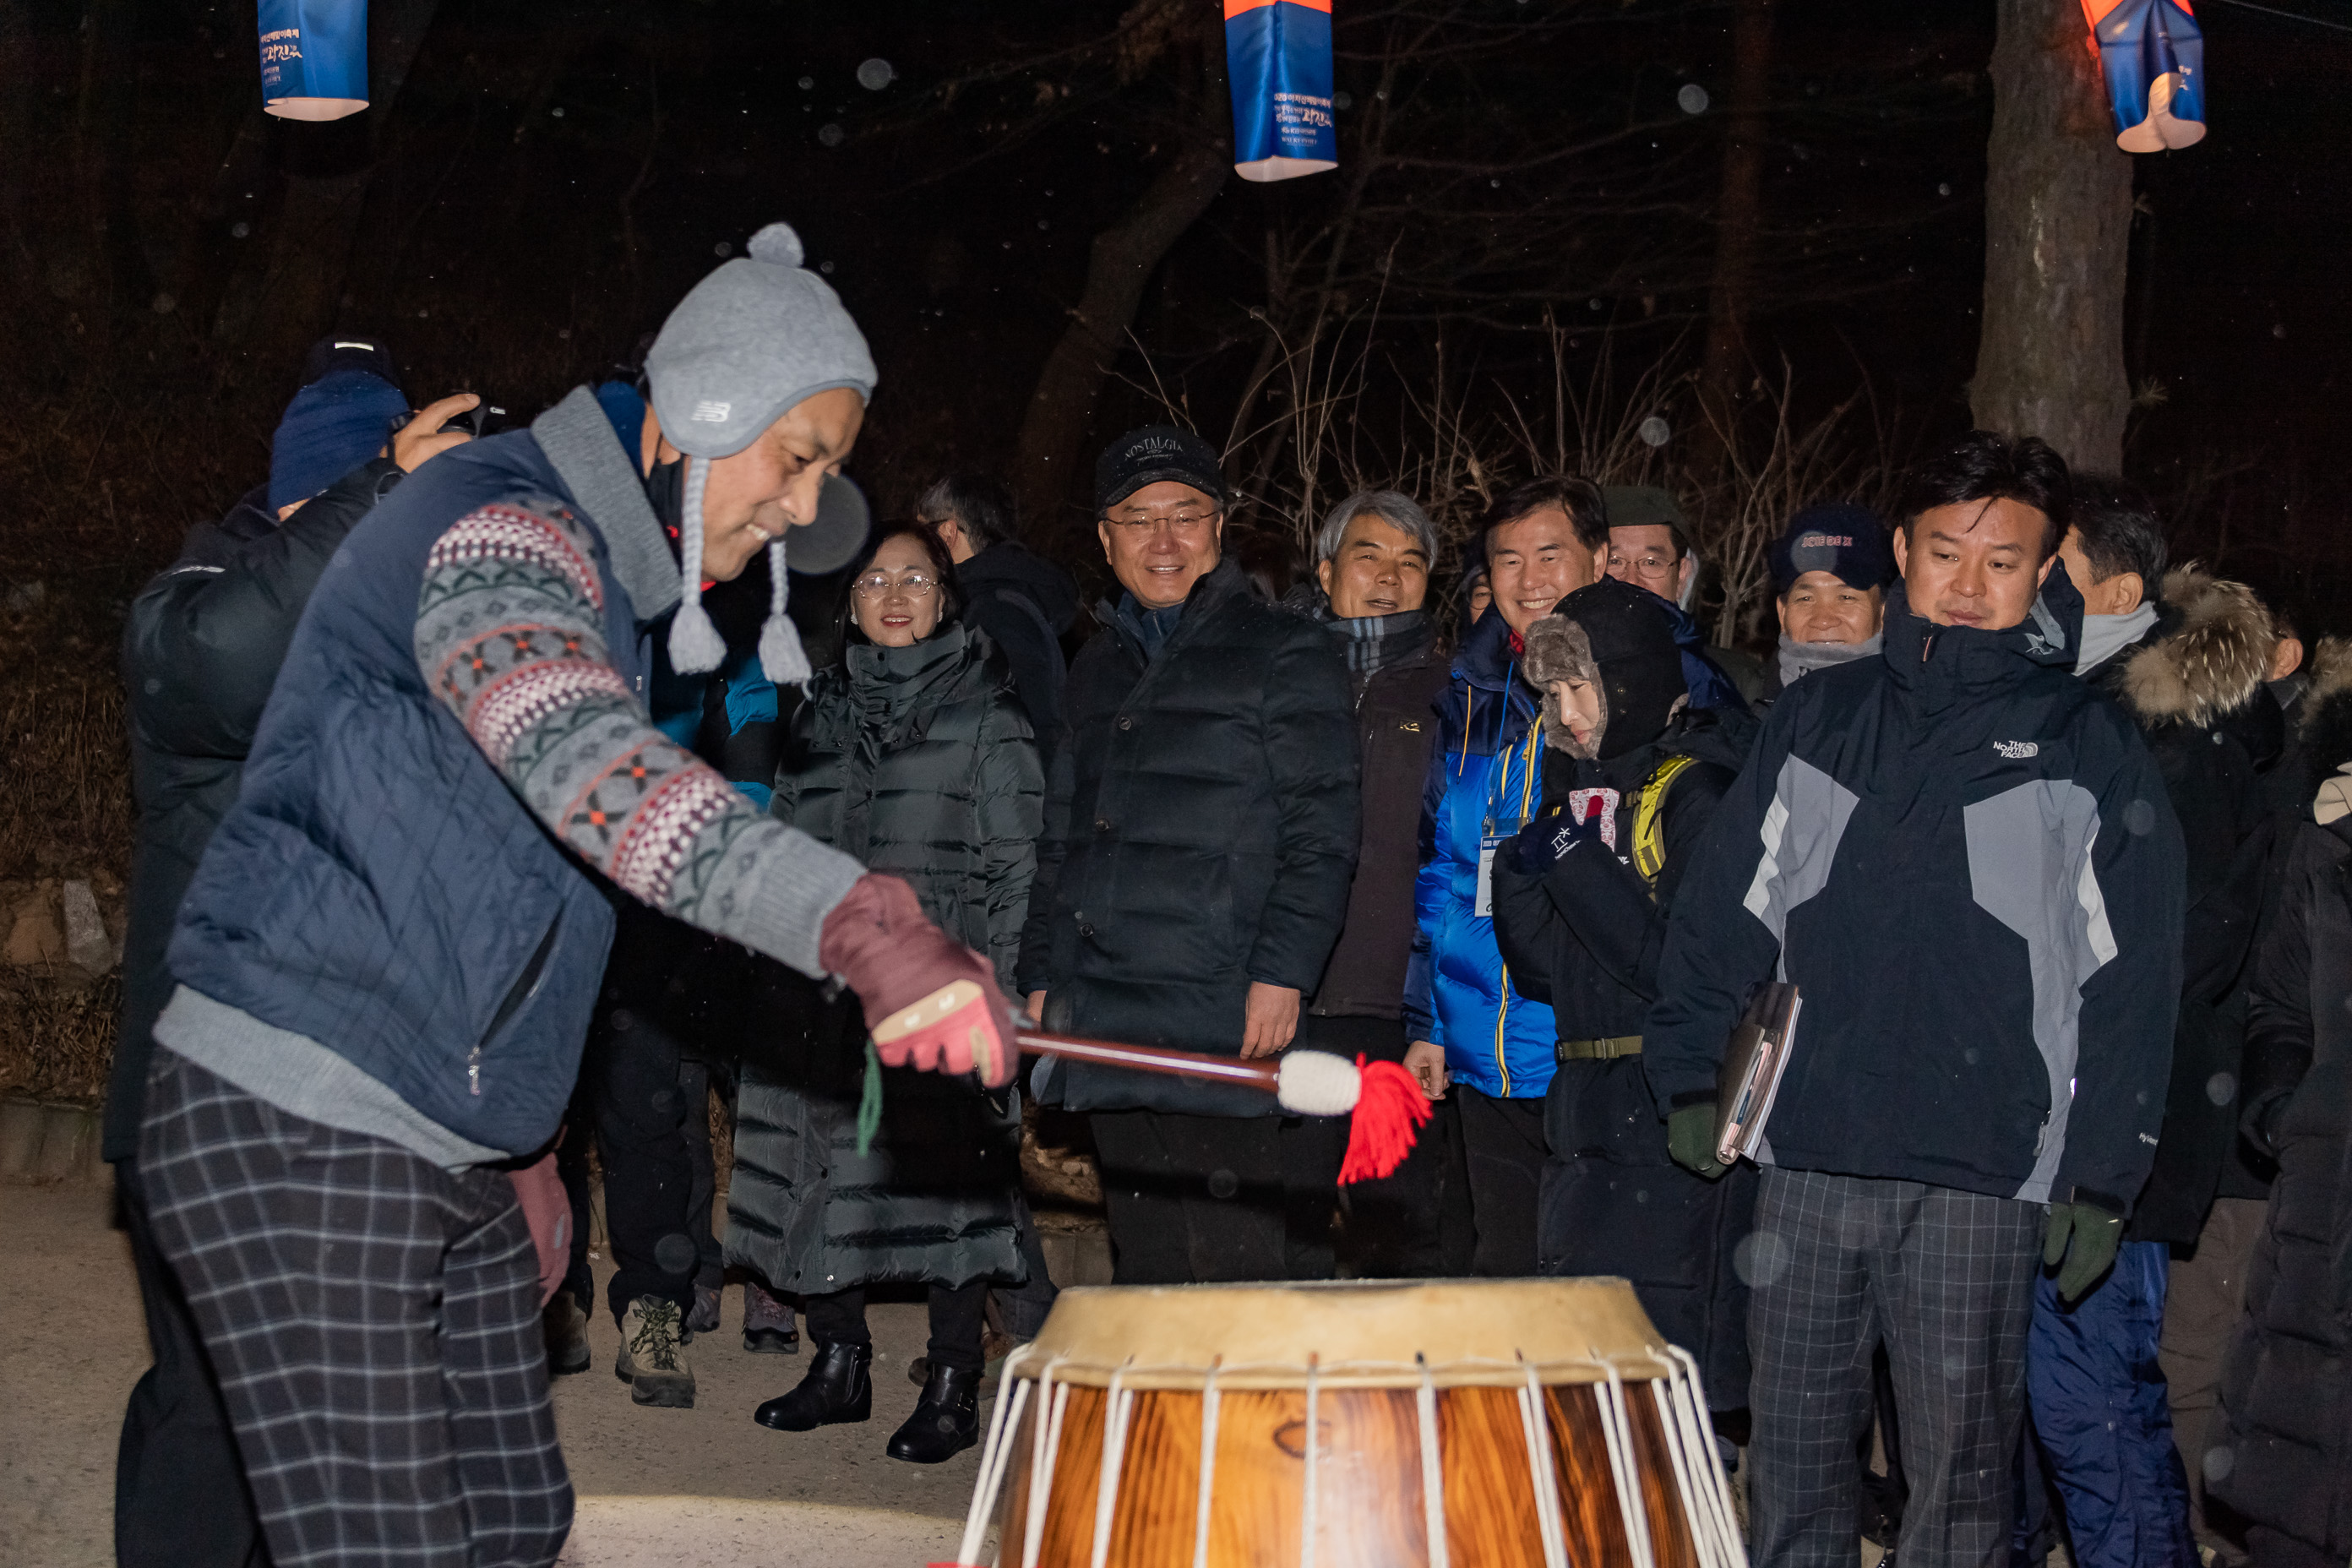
x=1200, y=835
x=200, y=652
x=1025, y=603
x=2286, y=1381
x=2194, y=686
x=1585, y=938
x=918, y=760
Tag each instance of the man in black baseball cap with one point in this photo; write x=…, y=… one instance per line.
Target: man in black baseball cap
x=1200, y=842
x=1830, y=573
x=1157, y=454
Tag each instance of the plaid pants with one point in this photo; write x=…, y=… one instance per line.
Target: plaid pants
x=1947, y=1278
x=375, y=1322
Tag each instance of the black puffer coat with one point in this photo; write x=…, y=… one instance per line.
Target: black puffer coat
x=1585, y=938
x=1200, y=835
x=919, y=762
x=2194, y=687
x=2286, y=1383
x=200, y=652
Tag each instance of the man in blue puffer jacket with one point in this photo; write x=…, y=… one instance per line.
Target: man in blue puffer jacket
x=1544, y=540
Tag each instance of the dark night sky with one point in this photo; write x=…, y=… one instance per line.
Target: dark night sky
x=496, y=239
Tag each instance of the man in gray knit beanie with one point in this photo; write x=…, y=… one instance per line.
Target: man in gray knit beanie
x=380, y=1012
x=758, y=377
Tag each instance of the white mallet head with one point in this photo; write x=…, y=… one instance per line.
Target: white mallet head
x=1317, y=1083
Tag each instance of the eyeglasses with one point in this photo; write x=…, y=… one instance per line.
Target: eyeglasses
x=1183, y=522
x=1649, y=563
x=914, y=584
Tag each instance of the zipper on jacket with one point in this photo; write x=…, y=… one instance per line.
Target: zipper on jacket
x=517, y=994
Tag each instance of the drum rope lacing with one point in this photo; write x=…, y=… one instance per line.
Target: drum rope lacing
x=1117, y=1409
x=1535, y=1426
x=1703, y=1487
x=1209, y=1397
x=1313, y=1445
x=1433, y=1475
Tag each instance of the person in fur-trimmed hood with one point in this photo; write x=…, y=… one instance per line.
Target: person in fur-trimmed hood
x=2187, y=666
x=2282, y=1455
x=1631, y=776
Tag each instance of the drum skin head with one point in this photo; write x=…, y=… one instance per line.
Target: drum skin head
x=1357, y=1334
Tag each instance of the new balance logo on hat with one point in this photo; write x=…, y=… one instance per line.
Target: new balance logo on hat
x=709, y=413
x=2017, y=750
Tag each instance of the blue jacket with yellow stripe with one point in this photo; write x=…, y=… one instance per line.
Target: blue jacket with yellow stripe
x=1486, y=779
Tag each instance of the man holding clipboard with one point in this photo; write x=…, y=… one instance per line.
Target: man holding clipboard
x=1968, y=864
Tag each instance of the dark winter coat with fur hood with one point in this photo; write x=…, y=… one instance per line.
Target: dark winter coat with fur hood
x=2286, y=1382
x=2194, y=687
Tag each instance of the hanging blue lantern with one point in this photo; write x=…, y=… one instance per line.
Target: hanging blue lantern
x=313, y=58
x=1278, y=60
x=2152, y=54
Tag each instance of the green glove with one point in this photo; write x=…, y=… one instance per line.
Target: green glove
x=2084, y=1236
x=1690, y=1138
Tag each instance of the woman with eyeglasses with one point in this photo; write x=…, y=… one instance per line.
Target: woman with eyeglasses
x=913, y=755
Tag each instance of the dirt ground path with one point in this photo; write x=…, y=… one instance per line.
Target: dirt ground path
x=674, y=1488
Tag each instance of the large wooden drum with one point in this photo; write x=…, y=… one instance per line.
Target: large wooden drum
x=1469, y=1424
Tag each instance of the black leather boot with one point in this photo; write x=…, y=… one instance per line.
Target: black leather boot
x=945, y=1419
x=839, y=1388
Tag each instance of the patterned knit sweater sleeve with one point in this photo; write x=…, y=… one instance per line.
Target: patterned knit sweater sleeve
x=511, y=638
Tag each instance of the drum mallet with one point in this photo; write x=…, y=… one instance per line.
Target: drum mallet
x=1383, y=1102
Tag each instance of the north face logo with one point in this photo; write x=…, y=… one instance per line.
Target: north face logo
x=2017, y=750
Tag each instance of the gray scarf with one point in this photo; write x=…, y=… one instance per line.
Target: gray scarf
x=1372, y=643
x=1798, y=658
x=2103, y=636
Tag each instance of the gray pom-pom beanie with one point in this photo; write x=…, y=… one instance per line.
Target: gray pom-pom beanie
x=758, y=335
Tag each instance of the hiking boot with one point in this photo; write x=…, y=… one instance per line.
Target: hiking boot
x=945, y=1419
x=703, y=1317
x=653, y=1357
x=565, y=1327
x=838, y=1389
x=768, y=1323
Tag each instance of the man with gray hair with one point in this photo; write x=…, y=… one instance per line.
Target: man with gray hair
x=1372, y=560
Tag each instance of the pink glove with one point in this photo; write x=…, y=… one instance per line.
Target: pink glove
x=930, y=1002
x=547, y=1209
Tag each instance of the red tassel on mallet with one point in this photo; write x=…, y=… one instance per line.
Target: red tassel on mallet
x=1390, y=1109
x=1383, y=1102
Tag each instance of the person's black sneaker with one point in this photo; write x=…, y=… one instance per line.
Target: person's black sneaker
x=838, y=1389
x=702, y=1318
x=566, y=1329
x=653, y=1356
x=768, y=1323
x=945, y=1419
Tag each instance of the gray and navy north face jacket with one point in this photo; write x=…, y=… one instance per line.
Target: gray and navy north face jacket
x=1966, y=860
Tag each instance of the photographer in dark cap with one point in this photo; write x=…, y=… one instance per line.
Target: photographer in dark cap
x=201, y=650
x=1201, y=827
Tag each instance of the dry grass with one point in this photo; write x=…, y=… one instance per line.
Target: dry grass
x=58, y=1043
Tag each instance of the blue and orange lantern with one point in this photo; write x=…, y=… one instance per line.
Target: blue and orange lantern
x=1278, y=60
x=2152, y=54
x=313, y=58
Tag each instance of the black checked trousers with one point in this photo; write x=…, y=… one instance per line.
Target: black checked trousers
x=1947, y=1278
x=373, y=1319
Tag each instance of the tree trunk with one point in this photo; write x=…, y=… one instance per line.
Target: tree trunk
x=1738, y=212
x=1120, y=262
x=2058, y=199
